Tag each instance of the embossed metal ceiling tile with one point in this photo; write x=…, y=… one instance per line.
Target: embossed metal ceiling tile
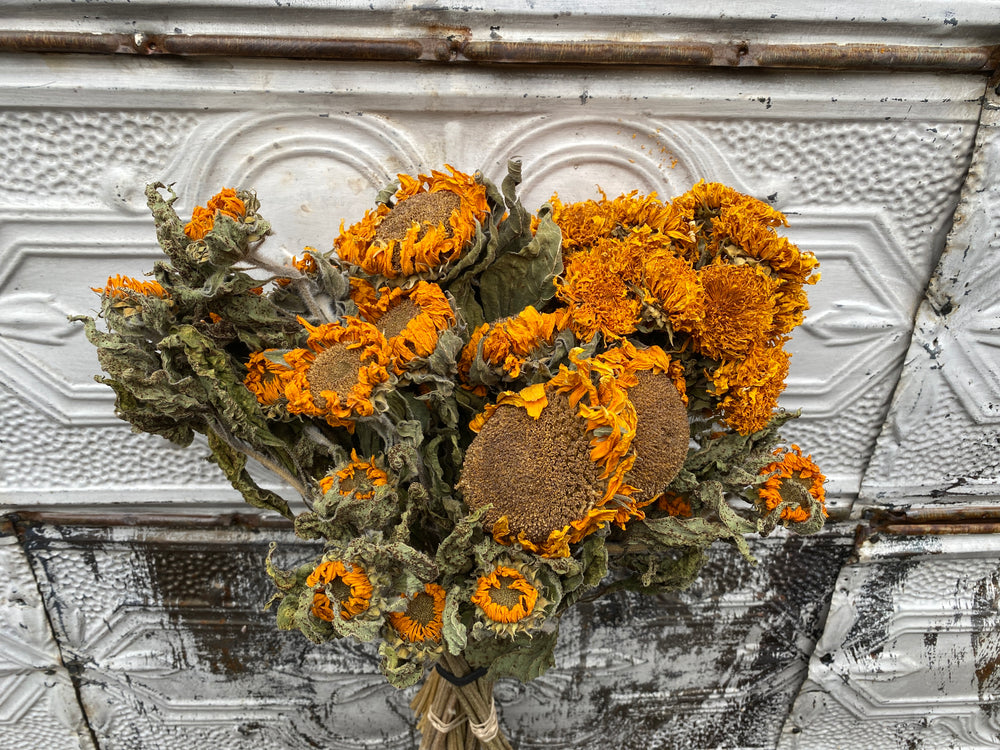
x=940, y=437
x=38, y=704
x=908, y=652
x=168, y=620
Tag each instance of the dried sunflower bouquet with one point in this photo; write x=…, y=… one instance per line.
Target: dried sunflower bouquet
x=487, y=414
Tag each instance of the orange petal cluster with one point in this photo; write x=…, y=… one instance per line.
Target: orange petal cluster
x=202, y=222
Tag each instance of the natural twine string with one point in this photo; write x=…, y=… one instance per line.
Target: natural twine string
x=440, y=726
x=488, y=730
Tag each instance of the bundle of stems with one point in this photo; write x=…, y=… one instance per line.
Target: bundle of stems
x=457, y=715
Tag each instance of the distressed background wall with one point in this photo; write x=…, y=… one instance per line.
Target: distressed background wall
x=131, y=583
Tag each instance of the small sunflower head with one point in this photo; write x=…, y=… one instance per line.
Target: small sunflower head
x=129, y=296
x=226, y=202
x=747, y=390
x=509, y=600
x=358, y=479
x=426, y=230
x=335, y=375
x=410, y=319
x=782, y=491
x=421, y=622
x=339, y=586
x=267, y=376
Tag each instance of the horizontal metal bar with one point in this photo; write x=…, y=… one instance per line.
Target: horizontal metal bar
x=454, y=46
x=137, y=518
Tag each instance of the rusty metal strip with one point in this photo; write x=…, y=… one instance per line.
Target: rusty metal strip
x=455, y=46
x=934, y=521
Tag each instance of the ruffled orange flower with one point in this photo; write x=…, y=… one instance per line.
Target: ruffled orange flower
x=350, y=588
x=121, y=287
x=748, y=389
x=429, y=226
x=507, y=343
x=359, y=478
x=550, y=462
x=267, y=378
x=505, y=595
x=410, y=319
x=673, y=289
x=203, y=218
x=586, y=222
x=600, y=285
x=423, y=618
x=793, y=467
x=334, y=377
x=739, y=311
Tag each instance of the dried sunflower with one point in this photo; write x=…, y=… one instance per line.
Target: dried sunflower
x=662, y=430
x=586, y=222
x=126, y=294
x=202, y=221
x=335, y=376
x=599, y=286
x=673, y=293
x=428, y=227
x=792, y=467
x=410, y=319
x=550, y=462
x=509, y=599
x=740, y=303
x=267, y=377
x=748, y=388
x=359, y=478
x=422, y=620
x=506, y=344
x=333, y=581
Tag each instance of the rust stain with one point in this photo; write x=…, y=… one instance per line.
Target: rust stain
x=456, y=45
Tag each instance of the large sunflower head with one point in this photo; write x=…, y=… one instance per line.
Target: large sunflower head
x=336, y=584
x=335, y=375
x=549, y=462
x=426, y=229
x=410, y=319
x=792, y=468
x=662, y=430
x=423, y=618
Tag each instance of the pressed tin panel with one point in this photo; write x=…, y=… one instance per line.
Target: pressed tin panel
x=868, y=181
x=174, y=650
x=38, y=705
x=909, y=653
x=941, y=439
